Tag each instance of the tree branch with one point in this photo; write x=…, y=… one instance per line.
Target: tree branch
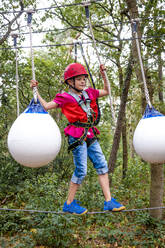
x=10, y=23
x=117, y=135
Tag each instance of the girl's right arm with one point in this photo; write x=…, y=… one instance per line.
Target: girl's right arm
x=46, y=105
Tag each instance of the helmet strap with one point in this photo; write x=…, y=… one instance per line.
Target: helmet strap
x=70, y=86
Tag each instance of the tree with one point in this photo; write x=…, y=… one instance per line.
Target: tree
x=157, y=173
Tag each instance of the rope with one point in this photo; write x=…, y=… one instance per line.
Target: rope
x=78, y=27
x=127, y=210
x=98, y=57
x=75, y=52
x=91, y=80
x=29, y=12
x=17, y=77
x=51, y=7
x=94, y=212
x=84, y=43
x=141, y=63
x=86, y=63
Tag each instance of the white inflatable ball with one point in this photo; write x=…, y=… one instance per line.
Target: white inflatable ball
x=149, y=139
x=34, y=139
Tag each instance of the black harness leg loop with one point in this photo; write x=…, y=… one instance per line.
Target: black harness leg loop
x=79, y=141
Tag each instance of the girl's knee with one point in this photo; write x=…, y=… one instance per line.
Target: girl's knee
x=78, y=178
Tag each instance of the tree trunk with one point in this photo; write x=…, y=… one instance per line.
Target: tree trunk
x=157, y=171
x=117, y=135
x=156, y=190
x=125, y=150
x=160, y=78
x=131, y=147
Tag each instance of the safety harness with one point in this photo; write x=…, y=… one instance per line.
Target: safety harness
x=84, y=103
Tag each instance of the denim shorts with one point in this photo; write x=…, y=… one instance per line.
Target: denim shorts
x=80, y=154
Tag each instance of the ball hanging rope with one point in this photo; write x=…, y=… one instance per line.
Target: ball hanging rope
x=135, y=32
x=17, y=76
x=29, y=21
x=75, y=52
x=34, y=139
x=149, y=135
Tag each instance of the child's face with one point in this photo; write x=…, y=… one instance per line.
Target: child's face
x=80, y=82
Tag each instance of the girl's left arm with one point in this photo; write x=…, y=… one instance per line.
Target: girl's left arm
x=104, y=91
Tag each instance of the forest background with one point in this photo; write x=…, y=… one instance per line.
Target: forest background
x=134, y=182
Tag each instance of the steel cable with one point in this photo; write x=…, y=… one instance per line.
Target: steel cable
x=93, y=212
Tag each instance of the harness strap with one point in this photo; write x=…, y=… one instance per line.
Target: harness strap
x=86, y=107
x=82, y=124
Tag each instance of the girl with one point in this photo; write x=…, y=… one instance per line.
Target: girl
x=79, y=106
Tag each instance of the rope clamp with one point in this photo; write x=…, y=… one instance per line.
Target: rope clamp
x=29, y=12
x=134, y=24
x=14, y=36
x=86, y=4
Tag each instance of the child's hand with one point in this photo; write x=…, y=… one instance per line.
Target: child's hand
x=102, y=70
x=33, y=83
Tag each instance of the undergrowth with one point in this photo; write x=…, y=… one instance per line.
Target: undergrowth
x=46, y=189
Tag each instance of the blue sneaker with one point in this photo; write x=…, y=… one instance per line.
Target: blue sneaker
x=74, y=208
x=113, y=205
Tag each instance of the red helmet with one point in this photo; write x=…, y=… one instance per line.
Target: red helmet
x=74, y=70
